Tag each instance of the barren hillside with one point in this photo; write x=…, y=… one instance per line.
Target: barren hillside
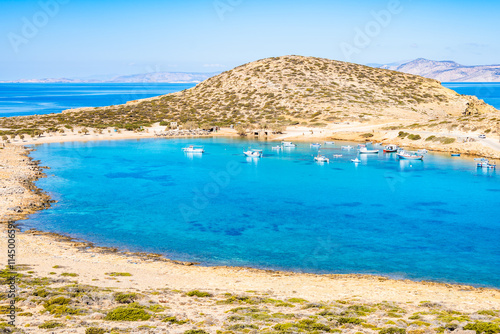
x=285, y=90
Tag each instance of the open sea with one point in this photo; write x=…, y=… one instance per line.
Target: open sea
x=431, y=220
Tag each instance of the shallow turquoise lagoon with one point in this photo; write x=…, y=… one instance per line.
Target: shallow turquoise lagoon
x=436, y=220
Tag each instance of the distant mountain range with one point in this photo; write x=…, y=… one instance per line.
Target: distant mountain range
x=156, y=77
x=446, y=71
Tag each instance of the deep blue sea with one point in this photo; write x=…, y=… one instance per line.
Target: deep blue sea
x=30, y=99
x=435, y=220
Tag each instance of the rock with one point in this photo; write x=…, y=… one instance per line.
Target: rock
x=16, y=209
x=97, y=316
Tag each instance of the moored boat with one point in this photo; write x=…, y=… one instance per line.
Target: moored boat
x=356, y=160
x=390, y=148
x=321, y=158
x=287, y=144
x=485, y=163
x=330, y=143
x=253, y=153
x=276, y=148
x=193, y=149
x=410, y=156
x=364, y=150
x=455, y=154
x=337, y=155
x=315, y=145
x=348, y=147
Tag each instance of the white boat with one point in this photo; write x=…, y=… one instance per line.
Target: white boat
x=287, y=144
x=364, y=150
x=348, y=147
x=315, y=145
x=277, y=148
x=390, y=148
x=193, y=149
x=356, y=160
x=337, y=155
x=253, y=153
x=423, y=151
x=321, y=158
x=410, y=156
x=329, y=143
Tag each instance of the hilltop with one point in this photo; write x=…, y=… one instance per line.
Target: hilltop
x=284, y=90
x=448, y=71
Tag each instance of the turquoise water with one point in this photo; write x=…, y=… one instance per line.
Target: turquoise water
x=30, y=99
x=436, y=219
x=488, y=91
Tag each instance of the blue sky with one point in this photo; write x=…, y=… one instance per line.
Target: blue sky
x=76, y=38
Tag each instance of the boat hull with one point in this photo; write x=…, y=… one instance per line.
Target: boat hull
x=410, y=157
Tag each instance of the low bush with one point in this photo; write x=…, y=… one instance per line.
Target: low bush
x=127, y=314
x=196, y=293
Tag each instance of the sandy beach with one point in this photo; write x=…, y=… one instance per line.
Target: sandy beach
x=52, y=263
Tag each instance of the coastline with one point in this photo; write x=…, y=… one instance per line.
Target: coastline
x=88, y=265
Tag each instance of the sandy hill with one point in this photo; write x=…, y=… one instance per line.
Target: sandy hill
x=285, y=90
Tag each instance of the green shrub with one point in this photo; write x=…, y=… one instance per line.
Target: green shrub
x=402, y=134
x=349, y=320
x=118, y=274
x=57, y=301
x=198, y=294
x=127, y=314
x=41, y=293
x=195, y=331
x=392, y=330
x=488, y=312
x=95, y=330
x=430, y=138
x=414, y=137
x=367, y=135
x=125, y=298
x=69, y=274
x=174, y=320
x=484, y=327
x=239, y=327
x=50, y=325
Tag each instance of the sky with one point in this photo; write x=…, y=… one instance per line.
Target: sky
x=88, y=38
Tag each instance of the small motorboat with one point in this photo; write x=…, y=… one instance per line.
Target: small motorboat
x=252, y=153
x=288, y=144
x=193, y=149
x=356, y=160
x=321, y=158
x=423, y=151
x=455, y=154
x=329, y=143
x=364, y=150
x=277, y=148
x=485, y=163
x=348, y=147
x=390, y=149
x=410, y=156
x=337, y=155
x=315, y=145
